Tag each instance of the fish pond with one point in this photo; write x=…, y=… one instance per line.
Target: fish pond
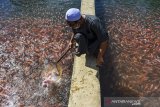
x=33, y=33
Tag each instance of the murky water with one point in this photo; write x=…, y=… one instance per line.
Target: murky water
x=33, y=33
x=134, y=31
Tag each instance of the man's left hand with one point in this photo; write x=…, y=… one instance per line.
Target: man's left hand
x=100, y=61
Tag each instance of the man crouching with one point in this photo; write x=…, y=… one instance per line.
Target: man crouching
x=88, y=34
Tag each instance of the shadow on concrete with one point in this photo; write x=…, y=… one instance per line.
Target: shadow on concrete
x=106, y=78
x=105, y=73
x=91, y=62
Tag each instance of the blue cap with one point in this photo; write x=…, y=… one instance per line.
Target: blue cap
x=73, y=14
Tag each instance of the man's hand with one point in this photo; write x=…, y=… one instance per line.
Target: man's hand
x=71, y=44
x=101, y=54
x=100, y=60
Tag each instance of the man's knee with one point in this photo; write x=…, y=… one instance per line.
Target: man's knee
x=79, y=37
x=82, y=43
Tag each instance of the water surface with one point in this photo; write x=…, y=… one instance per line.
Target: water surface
x=134, y=31
x=33, y=33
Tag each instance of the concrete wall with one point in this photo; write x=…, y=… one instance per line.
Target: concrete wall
x=85, y=88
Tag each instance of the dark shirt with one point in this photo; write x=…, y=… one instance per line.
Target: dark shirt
x=92, y=29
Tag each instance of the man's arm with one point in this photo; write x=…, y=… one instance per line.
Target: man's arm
x=103, y=38
x=72, y=42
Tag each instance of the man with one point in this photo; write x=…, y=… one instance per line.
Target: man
x=88, y=33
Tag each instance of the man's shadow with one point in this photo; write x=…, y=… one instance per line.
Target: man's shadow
x=91, y=62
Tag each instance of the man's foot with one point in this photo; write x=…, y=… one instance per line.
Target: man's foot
x=78, y=54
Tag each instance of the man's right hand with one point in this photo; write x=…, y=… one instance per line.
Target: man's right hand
x=71, y=44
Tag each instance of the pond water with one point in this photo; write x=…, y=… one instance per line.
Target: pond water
x=33, y=33
x=134, y=31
